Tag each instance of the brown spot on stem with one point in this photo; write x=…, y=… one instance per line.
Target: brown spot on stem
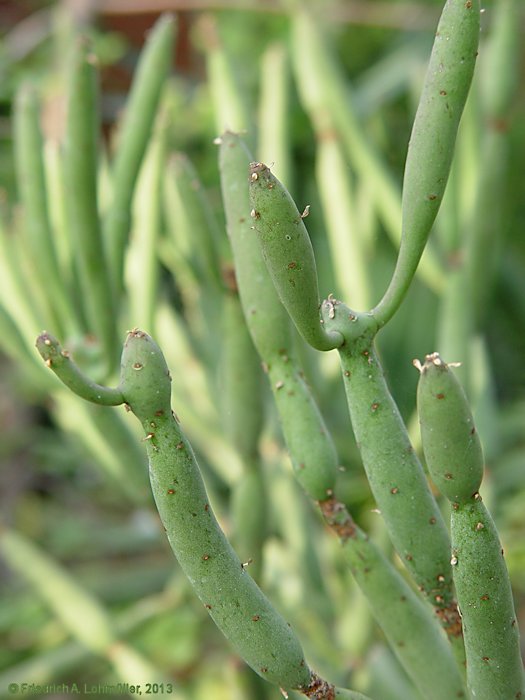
x=440, y=396
x=337, y=518
x=318, y=689
x=450, y=620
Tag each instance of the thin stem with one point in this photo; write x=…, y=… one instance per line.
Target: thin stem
x=67, y=371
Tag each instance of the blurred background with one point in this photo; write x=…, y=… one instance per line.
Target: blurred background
x=74, y=496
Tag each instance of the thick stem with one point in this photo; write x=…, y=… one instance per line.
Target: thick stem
x=405, y=619
x=494, y=666
x=395, y=474
x=288, y=254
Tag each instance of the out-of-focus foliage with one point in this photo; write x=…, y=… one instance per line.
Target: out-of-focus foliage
x=73, y=481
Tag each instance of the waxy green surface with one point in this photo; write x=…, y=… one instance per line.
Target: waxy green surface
x=234, y=601
x=450, y=441
x=490, y=626
x=407, y=622
x=226, y=589
x=310, y=445
x=432, y=141
x=288, y=253
x=395, y=474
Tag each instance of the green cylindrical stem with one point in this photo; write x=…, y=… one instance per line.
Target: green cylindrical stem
x=198, y=250
x=396, y=477
x=142, y=262
x=455, y=459
x=267, y=320
x=32, y=188
x=501, y=76
x=288, y=254
x=304, y=430
x=450, y=442
x=345, y=694
x=249, y=518
x=291, y=399
x=325, y=93
x=484, y=244
x=188, y=250
x=141, y=108
x=242, y=408
x=405, y=620
x=233, y=600
x=431, y=146
x=228, y=97
x=17, y=299
x=274, y=144
x=198, y=222
x=455, y=322
x=241, y=381
x=66, y=370
x=343, y=226
x=81, y=153
x=494, y=666
x=312, y=451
